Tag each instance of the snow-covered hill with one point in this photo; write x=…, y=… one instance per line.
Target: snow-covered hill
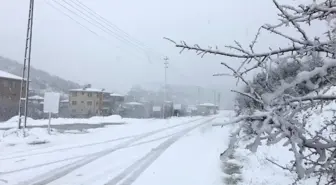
x=40, y=80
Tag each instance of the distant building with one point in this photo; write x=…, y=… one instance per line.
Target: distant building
x=64, y=108
x=36, y=99
x=35, y=110
x=134, y=110
x=116, y=101
x=10, y=85
x=87, y=102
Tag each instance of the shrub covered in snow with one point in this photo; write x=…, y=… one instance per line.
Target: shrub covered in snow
x=294, y=79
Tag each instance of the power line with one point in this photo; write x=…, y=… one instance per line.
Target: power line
x=95, y=14
x=77, y=22
x=81, y=8
x=92, y=12
x=96, y=22
x=85, y=19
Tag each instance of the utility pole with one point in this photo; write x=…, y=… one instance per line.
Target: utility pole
x=215, y=102
x=218, y=99
x=165, y=85
x=199, y=95
x=26, y=66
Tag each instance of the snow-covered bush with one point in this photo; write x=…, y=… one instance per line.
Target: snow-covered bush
x=294, y=80
x=268, y=81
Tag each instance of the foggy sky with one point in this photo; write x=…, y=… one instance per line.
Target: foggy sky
x=63, y=48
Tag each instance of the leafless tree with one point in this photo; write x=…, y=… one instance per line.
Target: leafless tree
x=313, y=153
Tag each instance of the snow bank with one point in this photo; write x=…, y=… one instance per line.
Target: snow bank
x=33, y=136
x=13, y=122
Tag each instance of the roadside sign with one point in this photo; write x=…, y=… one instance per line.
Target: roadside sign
x=51, y=105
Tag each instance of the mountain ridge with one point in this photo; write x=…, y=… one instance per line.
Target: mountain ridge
x=41, y=81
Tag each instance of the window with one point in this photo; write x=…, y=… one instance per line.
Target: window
x=5, y=83
x=89, y=103
x=13, y=84
x=74, y=93
x=82, y=101
x=73, y=110
x=89, y=94
x=98, y=95
x=83, y=93
x=74, y=103
x=96, y=103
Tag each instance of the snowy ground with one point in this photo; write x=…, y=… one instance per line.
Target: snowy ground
x=178, y=151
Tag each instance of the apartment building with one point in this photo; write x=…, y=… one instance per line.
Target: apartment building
x=9, y=94
x=87, y=102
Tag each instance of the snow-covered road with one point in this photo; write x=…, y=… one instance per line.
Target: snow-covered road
x=176, y=151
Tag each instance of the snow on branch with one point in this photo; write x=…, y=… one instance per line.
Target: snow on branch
x=301, y=77
x=277, y=119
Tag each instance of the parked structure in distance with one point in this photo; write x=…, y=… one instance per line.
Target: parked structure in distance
x=10, y=85
x=207, y=109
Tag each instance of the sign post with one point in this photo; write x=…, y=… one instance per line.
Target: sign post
x=51, y=105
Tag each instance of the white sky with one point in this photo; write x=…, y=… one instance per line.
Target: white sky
x=63, y=48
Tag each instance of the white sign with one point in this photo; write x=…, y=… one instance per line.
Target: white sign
x=177, y=106
x=156, y=108
x=51, y=102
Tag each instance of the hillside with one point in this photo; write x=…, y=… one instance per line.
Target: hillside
x=40, y=80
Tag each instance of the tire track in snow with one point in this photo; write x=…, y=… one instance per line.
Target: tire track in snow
x=68, y=148
x=131, y=173
x=79, y=156
x=12, y=155
x=57, y=173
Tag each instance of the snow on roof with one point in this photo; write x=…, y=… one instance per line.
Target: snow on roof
x=64, y=101
x=116, y=94
x=87, y=90
x=133, y=103
x=36, y=97
x=4, y=74
x=208, y=104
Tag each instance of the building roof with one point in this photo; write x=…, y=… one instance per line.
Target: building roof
x=65, y=101
x=36, y=97
x=87, y=90
x=4, y=74
x=116, y=95
x=208, y=105
x=133, y=103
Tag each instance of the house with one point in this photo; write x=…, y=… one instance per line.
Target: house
x=35, y=103
x=207, y=109
x=134, y=110
x=36, y=99
x=87, y=102
x=10, y=86
x=64, y=110
x=116, y=102
x=179, y=110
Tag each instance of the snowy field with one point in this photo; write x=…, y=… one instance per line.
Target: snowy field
x=141, y=151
